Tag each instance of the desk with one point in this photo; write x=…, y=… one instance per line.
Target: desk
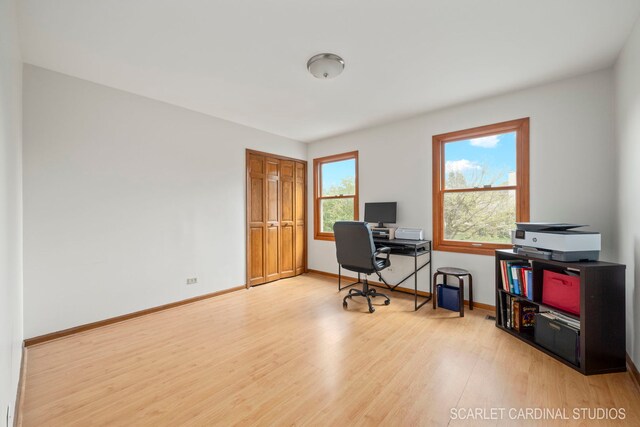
x=415, y=249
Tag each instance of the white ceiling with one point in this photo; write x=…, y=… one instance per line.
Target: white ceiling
x=245, y=61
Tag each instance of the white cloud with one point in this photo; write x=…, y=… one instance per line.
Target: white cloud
x=461, y=165
x=485, y=141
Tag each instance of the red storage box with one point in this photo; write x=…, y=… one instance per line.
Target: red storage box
x=561, y=291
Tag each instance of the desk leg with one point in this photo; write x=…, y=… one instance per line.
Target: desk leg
x=461, y=295
x=415, y=279
x=430, y=271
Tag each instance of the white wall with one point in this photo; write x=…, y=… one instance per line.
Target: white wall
x=10, y=209
x=572, y=159
x=125, y=198
x=627, y=90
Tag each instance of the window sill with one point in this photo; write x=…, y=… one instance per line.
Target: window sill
x=324, y=236
x=488, y=249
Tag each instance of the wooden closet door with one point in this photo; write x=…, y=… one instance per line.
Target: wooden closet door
x=287, y=219
x=300, y=218
x=272, y=227
x=276, y=217
x=256, y=224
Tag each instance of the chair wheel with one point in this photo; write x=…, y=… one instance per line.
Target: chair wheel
x=371, y=309
x=344, y=304
x=387, y=302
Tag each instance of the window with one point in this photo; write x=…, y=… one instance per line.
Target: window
x=480, y=186
x=335, y=190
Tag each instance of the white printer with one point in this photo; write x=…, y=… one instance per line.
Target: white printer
x=410, y=233
x=557, y=241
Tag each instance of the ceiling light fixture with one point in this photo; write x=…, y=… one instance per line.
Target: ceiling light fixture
x=325, y=65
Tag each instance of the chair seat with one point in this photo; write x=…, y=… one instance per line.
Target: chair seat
x=380, y=264
x=453, y=271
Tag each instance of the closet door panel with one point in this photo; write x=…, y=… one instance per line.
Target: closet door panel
x=272, y=200
x=300, y=261
x=287, y=251
x=256, y=220
x=287, y=216
x=257, y=256
x=300, y=218
x=271, y=252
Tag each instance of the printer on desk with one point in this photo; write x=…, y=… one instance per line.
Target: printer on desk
x=556, y=241
x=410, y=233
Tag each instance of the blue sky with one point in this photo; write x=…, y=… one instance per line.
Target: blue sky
x=334, y=172
x=495, y=153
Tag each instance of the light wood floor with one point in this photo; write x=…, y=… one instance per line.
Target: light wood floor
x=287, y=353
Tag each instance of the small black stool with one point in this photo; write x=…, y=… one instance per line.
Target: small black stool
x=460, y=273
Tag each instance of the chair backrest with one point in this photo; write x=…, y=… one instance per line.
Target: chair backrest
x=354, y=244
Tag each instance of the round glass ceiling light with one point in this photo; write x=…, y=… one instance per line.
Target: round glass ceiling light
x=325, y=65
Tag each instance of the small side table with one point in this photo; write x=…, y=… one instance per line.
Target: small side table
x=460, y=273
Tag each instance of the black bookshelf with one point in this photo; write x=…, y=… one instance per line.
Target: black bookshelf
x=602, y=310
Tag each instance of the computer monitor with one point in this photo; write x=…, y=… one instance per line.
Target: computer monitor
x=380, y=212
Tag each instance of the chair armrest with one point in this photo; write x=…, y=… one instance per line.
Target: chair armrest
x=381, y=250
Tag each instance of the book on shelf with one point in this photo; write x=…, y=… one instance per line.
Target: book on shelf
x=510, y=300
x=505, y=310
x=508, y=311
x=516, y=282
x=516, y=313
x=517, y=278
x=500, y=308
x=529, y=311
x=525, y=316
x=503, y=270
x=528, y=274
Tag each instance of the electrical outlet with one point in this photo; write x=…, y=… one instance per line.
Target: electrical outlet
x=389, y=268
x=192, y=280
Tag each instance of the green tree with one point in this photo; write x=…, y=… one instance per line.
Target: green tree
x=338, y=209
x=481, y=216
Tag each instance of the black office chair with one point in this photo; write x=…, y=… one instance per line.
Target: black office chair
x=356, y=252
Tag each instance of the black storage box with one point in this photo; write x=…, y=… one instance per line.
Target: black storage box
x=561, y=339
